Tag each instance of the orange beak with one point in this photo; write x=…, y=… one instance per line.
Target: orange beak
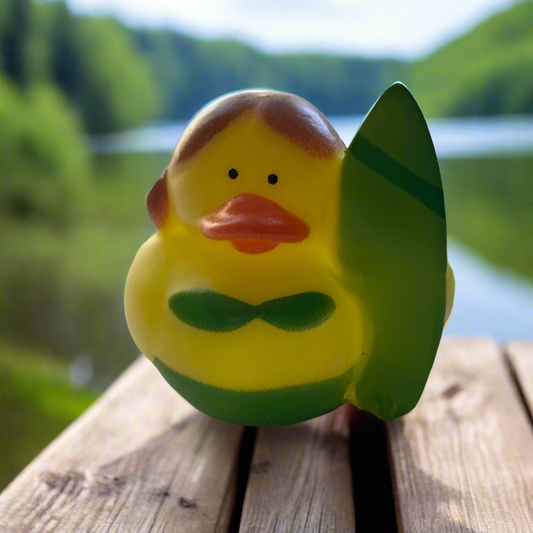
x=253, y=224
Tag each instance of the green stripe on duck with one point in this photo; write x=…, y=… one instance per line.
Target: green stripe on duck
x=273, y=407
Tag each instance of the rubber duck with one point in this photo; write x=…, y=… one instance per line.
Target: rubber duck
x=289, y=274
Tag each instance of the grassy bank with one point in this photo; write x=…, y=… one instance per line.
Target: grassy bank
x=489, y=209
x=37, y=401
x=63, y=287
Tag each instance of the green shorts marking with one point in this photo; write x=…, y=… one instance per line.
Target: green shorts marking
x=274, y=407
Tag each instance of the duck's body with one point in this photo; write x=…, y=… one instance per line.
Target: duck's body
x=260, y=326
x=258, y=355
x=299, y=371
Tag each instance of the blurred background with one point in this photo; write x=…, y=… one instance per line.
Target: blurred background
x=94, y=94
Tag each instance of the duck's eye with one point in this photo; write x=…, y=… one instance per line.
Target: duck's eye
x=272, y=179
x=232, y=173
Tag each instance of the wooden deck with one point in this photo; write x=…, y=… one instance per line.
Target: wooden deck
x=142, y=460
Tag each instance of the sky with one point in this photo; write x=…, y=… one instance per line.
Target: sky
x=399, y=28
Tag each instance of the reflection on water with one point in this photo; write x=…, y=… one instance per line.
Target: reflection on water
x=77, y=323
x=488, y=302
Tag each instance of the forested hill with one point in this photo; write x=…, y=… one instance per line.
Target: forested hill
x=191, y=72
x=488, y=71
x=118, y=78
x=115, y=77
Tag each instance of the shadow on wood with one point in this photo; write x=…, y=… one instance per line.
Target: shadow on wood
x=372, y=489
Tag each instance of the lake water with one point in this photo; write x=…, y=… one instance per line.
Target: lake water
x=489, y=301
x=453, y=138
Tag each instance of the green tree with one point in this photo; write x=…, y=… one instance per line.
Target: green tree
x=96, y=64
x=64, y=50
x=15, y=40
x=44, y=161
x=488, y=71
x=191, y=72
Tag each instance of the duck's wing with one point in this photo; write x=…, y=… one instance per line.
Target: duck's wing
x=392, y=236
x=450, y=292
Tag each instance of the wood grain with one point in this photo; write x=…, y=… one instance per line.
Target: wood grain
x=300, y=479
x=140, y=460
x=462, y=460
x=520, y=355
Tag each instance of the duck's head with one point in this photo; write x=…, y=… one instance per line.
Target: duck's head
x=255, y=169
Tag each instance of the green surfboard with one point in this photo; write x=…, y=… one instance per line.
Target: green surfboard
x=393, y=236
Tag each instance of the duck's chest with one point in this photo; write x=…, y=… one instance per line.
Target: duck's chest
x=257, y=322
x=252, y=279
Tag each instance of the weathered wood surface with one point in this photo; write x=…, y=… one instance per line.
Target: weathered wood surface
x=141, y=460
x=462, y=461
x=520, y=356
x=300, y=478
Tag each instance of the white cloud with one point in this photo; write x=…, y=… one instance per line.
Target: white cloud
x=374, y=27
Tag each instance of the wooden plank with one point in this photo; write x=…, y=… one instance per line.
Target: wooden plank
x=140, y=460
x=300, y=479
x=462, y=460
x=520, y=355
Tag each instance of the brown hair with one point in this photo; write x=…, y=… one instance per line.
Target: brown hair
x=157, y=201
x=289, y=115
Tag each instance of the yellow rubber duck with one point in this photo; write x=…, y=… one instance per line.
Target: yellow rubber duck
x=288, y=274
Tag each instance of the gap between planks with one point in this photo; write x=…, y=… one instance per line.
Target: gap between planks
x=519, y=356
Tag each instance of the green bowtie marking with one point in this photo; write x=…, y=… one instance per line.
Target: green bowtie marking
x=211, y=311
